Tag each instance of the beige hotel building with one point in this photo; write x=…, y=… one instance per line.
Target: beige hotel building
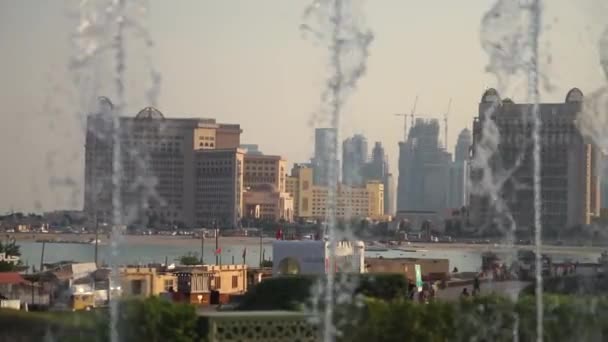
x=174, y=171
x=180, y=172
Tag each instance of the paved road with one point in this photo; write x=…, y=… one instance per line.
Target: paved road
x=505, y=288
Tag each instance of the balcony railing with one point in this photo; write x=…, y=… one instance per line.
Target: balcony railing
x=271, y=326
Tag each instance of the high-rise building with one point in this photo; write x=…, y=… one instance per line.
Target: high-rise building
x=218, y=187
x=379, y=163
x=377, y=169
x=354, y=157
x=459, y=172
x=423, y=169
x=569, y=165
x=604, y=181
x=389, y=195
x=326, y=157
x=161, y=161
x=463, y=146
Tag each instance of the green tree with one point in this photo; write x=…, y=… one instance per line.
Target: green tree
x=189, y=259
x=155, y=320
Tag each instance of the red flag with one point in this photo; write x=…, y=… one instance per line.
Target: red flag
x=279, y=234
x=218, y=251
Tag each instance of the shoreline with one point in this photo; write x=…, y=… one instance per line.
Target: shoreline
x=168, y=240
x=159, y=240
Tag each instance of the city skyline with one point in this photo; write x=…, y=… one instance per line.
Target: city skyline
x=279, y=81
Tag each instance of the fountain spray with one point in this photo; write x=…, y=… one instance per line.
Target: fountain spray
x=510, y=35
x=348, y=47
x=533, y=94
x=99, y=43
x=117, y=8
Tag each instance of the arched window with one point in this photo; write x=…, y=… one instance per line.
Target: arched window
x=289, y=265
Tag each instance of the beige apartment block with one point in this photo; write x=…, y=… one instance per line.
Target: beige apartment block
x=291, y=187
x=159, y=166
x=352, y=201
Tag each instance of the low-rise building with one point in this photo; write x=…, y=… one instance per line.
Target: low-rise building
x=146, y=281
x=264, y=202
x=196, y=284
x=14, y=289
x=433, y=269
x=312, y=257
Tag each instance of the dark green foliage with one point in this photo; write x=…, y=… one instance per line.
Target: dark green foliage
x=383, y=286
x=155, y=320
x=61, y=326
x=148, y=320
x=189, y=259
x=482, y=319
x=566, y=318
x=289, y=292
x=573, y=284
x=266, y=263
x=280, y=293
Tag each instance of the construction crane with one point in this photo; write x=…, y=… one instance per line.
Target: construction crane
x=445, y=123
x=405, y=115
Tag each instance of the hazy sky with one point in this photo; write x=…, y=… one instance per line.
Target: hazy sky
x=244, y=61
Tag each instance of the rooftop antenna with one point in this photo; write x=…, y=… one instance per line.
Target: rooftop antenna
x=405, y=115
x=413, y=111
x=445, y=124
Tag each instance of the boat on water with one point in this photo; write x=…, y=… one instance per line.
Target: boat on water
x=82, y=242
x=603, y=259
x=376, y=249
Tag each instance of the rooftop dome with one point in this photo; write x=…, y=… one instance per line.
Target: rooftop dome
x=149, y=113
x=574, y=95
x=104, y=105
x=490, y=95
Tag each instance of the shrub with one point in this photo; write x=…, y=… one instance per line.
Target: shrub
x=289, y=292
x=279, y=293
x=149, y=320
x=482, y=319
x=60, y=326
x=155, y=320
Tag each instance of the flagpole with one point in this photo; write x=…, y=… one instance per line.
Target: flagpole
x=245, y=269
x=217, y=243
x=260, y=247
x=202, y=247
